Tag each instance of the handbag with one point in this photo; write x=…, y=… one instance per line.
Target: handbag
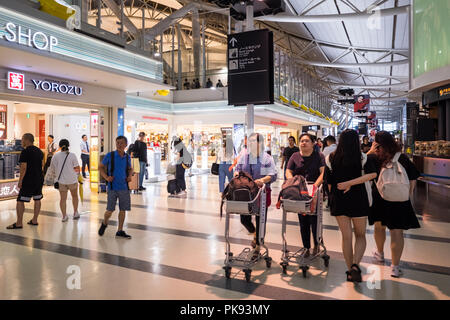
x=56, y=185
x=215, y=169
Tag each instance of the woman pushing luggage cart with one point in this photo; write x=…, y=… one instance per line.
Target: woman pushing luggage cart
x=249, y=194
x=311, y=207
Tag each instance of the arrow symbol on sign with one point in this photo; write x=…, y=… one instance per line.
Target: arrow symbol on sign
x=233, y=41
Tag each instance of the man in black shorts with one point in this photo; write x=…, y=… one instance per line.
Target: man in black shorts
x=31, y=180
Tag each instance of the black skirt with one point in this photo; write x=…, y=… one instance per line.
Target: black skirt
x=352, y=204
x=394, y=215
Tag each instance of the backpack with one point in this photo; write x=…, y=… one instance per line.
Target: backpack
x=367, y=184
x=240, y=188
x=294, y=188
x=393, y=182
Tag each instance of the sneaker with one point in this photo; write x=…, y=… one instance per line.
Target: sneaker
x=65, y=219
x=379, y=257
x=76, y=216
x=396, y=272
x=142, y=188
x=123, y=234
x=101, y=231
x=182, y=193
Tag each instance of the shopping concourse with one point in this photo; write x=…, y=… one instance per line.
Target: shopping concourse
x=224, y=150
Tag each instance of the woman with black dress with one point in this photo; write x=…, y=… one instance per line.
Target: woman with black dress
x=310, y=164
x=346, y=172
x=397, y=216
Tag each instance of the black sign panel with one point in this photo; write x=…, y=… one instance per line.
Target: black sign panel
x=250, y=68
x=310, y=128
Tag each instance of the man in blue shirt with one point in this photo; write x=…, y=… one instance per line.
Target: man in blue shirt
x=116, y=170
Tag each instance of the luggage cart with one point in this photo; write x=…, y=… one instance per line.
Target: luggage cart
x=298, y=257
x=246, y=260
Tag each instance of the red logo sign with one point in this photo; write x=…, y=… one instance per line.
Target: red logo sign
x=154, y=118
x=278, y=123
x=16, y=81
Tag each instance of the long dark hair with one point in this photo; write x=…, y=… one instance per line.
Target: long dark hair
x=388, y=145
x=348, y=151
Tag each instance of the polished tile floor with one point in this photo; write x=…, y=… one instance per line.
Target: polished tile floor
x=177, y=252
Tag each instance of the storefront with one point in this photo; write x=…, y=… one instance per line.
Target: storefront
x=43, y=105
x=432, y=136
x=57, y=81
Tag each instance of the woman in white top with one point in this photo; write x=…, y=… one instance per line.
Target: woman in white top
x=66, y=169
x=225, y=160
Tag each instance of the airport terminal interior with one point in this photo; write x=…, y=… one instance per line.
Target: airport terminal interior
x=193, y=92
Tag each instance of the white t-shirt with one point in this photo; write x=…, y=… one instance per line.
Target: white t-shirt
x=68, y=174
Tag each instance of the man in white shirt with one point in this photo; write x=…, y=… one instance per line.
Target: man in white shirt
x=84, y=147
x=331, y=145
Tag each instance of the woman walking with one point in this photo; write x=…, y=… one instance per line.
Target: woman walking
x=66, y=169
x=346, y=172
x=397, y=216
x=310, y=164
x=260, y=166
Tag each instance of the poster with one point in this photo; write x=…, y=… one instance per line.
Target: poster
x=362, y=103
x=3, y=122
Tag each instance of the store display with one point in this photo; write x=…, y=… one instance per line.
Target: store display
x=440, y=148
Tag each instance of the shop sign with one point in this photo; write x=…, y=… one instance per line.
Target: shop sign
x=16, y=81
x=25, y=36
x=278, y=123
x=9, y=189
x=250, y=68
x=154, y=118
x=58, y=87
x=444, y=92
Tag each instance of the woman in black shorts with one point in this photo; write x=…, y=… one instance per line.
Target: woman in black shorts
x=346, y=172
x=397, y=216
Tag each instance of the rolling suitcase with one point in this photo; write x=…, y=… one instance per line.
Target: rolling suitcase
x=171, y=184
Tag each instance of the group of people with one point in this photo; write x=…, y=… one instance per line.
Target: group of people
x=195, y=84
x=344, y=170
x=62, y=169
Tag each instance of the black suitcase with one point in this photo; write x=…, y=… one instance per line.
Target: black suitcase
x=172, y=186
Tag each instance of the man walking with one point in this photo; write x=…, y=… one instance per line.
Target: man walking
x=84, y=147
x=116, y=170
x=31, y=180
x=140, y=151
x=287, y=153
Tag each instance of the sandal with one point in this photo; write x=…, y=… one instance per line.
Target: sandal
x=31, y=223
x=13, y=226
x=349, y=276
x=355, y=272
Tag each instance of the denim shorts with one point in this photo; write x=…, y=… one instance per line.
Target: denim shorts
x=124, y=200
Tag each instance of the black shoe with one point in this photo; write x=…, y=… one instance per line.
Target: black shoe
x=355, y=273
x=122, y=234
x=101, y=231
x=142, y=188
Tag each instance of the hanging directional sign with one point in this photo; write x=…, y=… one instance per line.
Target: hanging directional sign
x=250, y=68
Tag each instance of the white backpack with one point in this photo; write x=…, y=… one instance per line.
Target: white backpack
x=367, y=184
x=393, y=182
